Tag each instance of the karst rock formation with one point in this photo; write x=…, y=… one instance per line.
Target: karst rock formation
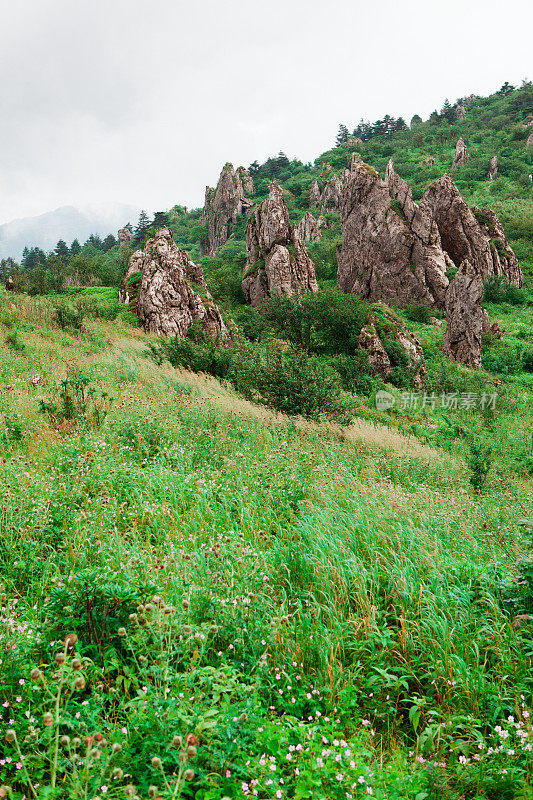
x=128, y=292
x=460, y=112
x=470, y=233
x=224, y=205
x=124, y=235
x=461, y=154
x=310, y=229
x=493, y=168
x=173, y=293
x=464, y=316
x=277, y=258
x=391, y=249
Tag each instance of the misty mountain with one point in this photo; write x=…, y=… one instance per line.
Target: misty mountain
x=66, y=222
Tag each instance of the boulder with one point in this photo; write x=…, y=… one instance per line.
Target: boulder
x=309, y=229
x=461, y=154
x=470, y=233
x=125, y=235
x=129, y=290
x=493, y=168
x=390, y=249
x=277, y=258
x=173, y=293
x=224, y=205
x=464, y=316
x=494, y=329
x=379, y=360
x=460, y=112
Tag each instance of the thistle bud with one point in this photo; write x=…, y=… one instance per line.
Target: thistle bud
x=117, y=773
x=36, y=674
x=116, y=747
x=156, y=762
x=76, y=664
x=65, y=741
x=60, y=658
x=191, y=739
x=177, y=741
x=79, y=683
x=47, y=719
x=188, y=774
x=88, y=740
x=191, y=751
x=5, y=791
x=10, y=735
x=213, y=629
x=70, y=639
x=133, y=617
x=185, y=605
x=152, y=791
x=187, y=630
x=140, y=609
x=98, y=737
x=76, y=742
x=129, y=790
x=121, y=631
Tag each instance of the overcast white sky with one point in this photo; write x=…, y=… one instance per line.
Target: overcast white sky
x=142, y=102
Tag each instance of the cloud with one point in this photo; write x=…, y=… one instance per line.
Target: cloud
x=143, y=103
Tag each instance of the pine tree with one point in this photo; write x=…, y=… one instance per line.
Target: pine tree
x=75, y=248
x=342, y=135
x=447, y=111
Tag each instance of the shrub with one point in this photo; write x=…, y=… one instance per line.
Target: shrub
x=503, y=358
x=354, y=372
x=68, y=317
x=479, y=460
x=527, y=360
x=77, y=400
x=12, y=340
x=418, y=312
x=498, y=290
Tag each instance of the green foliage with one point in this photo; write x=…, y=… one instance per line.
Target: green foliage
x=76, y=399
x=419, y=312
x=498, y=290
x=14, y=341
x=479, y=461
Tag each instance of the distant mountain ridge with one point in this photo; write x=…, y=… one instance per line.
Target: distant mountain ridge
x=67, y=223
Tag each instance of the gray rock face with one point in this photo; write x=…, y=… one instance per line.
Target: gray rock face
x=277, y=258
x=493, y=168
x=461, y=154
x=314, y=195
x=378, y=358
x=310, y=229
x=224, y=205
x=460, y=112
x=168, y=302
x=330, y=200
x=127, y=293
x=124, y=235
x=470, y=233
x=529, y=142
x=464, y=316
x=390, y=249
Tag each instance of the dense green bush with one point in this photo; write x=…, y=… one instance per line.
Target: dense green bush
x=503, y=358
x=418, y=312
x=498, y=290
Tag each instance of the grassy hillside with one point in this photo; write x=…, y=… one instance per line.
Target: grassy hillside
x=328, y=611
x=202, y=596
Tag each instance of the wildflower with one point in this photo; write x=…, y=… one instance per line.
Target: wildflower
x=47, y=719
x=10, y=735
x=60, y=659
x=76, y=664
x=117, y=774
x=121, y=632
x=188, y=774
x=65, y=741
x=339, y=776
x=79, y=683
x=36, y=674
x=177, y=741
x=70, y=639
x=191, y=739
x=152, y=791
x=156, y=762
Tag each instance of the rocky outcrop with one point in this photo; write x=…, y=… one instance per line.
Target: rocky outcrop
x=224, y=205
x=381, y=363
x=129, y=287
x=277, y=258
x=125, y=235
x=460, y=111
x=494, y=329
x=470, y=233
x=310, y=229
x=390, y=249
x=529, y=142
x=330, y=199
x=461, y=154
x=464, y=316
x=314, y=194
x=173, y=293
x=493, y=168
